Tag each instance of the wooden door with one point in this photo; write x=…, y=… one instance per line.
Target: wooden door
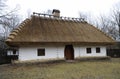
x=69, y=52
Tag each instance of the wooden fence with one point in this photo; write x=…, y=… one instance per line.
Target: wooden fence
x=113, y=52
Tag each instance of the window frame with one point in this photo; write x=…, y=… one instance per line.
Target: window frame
x=41, y=52
x=14, y=52
x=98, y=50
x=88, y=50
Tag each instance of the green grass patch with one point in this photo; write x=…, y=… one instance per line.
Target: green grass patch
x=109, y=69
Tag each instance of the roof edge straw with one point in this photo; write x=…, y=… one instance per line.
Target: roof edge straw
x=62, y=18
x=58, y=43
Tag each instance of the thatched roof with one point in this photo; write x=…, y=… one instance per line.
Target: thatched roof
x=46, y=30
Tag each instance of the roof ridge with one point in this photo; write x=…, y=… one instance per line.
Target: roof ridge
x=17, y=30
x=58, y=18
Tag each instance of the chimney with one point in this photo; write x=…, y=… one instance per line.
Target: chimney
x=56, y=13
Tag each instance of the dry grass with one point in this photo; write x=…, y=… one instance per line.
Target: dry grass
x=109, y=69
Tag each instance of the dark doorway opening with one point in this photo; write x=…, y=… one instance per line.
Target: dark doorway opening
x=69, y=52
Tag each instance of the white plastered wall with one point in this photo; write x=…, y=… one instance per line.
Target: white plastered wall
x=10, y=52
x=30, y=53
x=83, y=52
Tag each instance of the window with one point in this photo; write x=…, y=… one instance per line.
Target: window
x=98, y=50
x=14, y=52
x=88, y=50
x=41, y=52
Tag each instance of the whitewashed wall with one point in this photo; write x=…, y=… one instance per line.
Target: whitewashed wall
x=93, y=51
x=10, y=52
x=30, y=53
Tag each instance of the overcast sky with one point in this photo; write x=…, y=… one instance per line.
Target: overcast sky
x=68, y=8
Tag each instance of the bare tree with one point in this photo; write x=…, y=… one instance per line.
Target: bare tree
x=10, y=24
x=89, y=18
x=49, y=12
x=2, y=6
x=116, y=16
x=8, y=21
x=4, y=12
x=103, y=22
x=85, y=16
x=107, y=26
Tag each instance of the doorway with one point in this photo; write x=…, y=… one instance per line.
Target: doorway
x=69, y=52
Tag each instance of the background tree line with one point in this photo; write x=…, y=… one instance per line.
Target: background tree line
x=109, y=24
x=9, y=20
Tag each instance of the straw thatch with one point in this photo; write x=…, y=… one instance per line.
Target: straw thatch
x=46, y=30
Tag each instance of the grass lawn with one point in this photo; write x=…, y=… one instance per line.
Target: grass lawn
x=108, y=69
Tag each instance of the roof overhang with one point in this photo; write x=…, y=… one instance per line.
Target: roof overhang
x=19, y=44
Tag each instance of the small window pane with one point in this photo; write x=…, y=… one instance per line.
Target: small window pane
x=14, y=52
x=97, y=50
x=41, y=52
x=88, y=50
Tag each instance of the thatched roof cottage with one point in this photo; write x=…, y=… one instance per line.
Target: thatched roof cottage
x=50, y=36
